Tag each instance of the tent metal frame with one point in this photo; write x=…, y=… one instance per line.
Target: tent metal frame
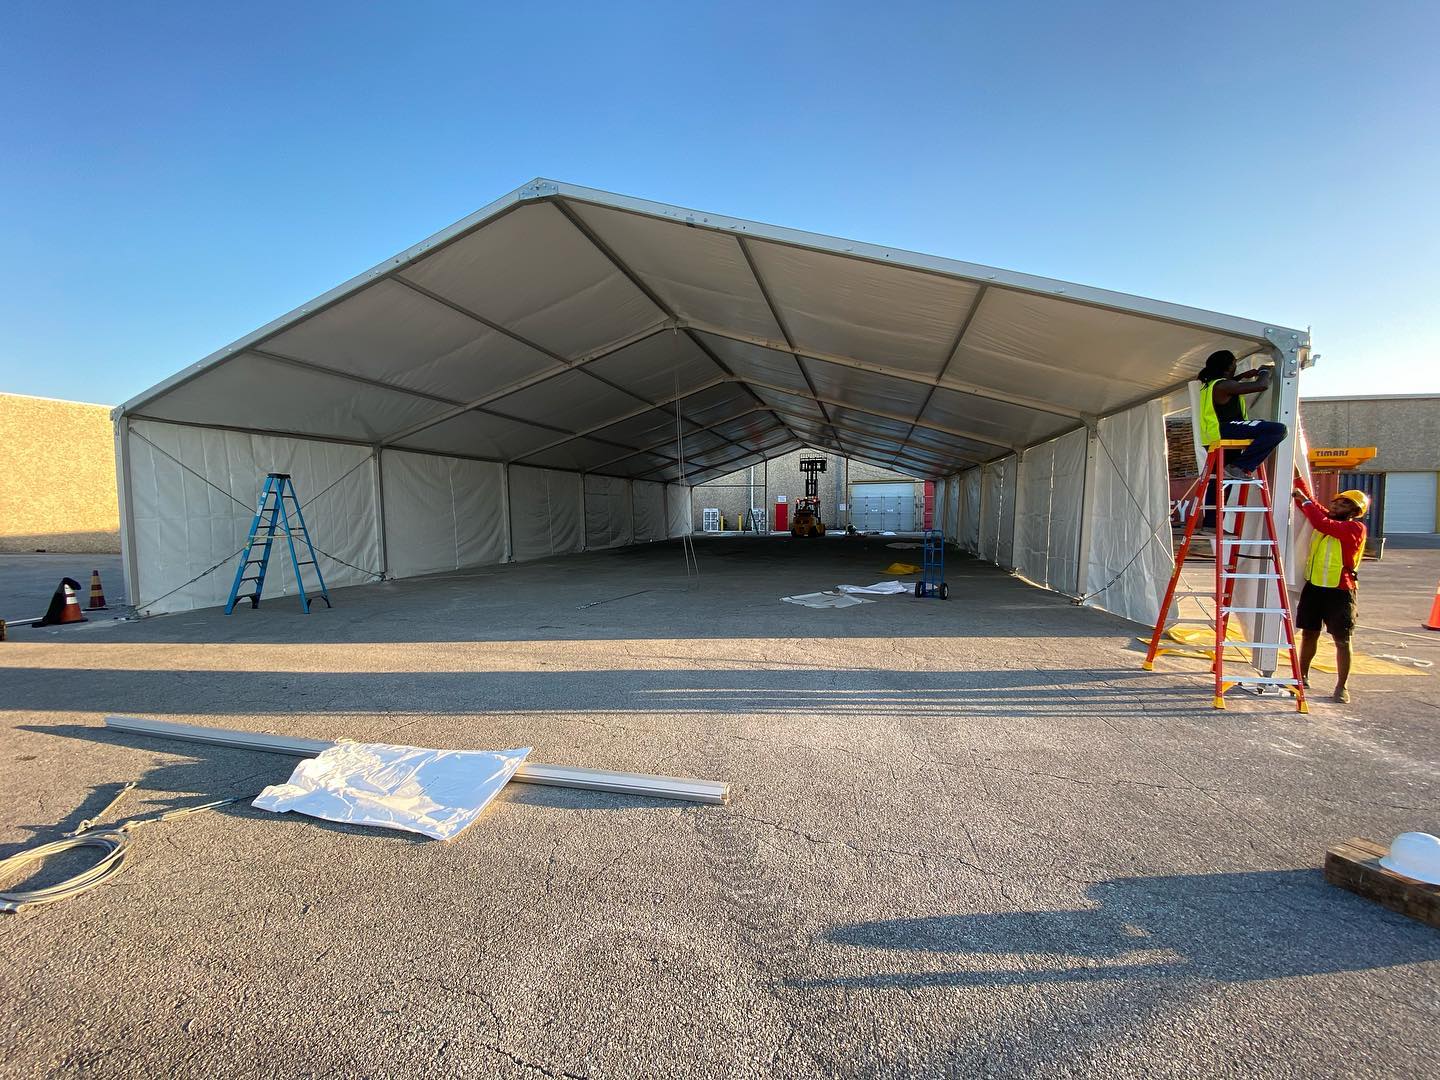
x=1288, y=347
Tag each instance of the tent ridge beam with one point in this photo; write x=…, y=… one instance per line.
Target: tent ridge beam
x=950, y=355
x=959, y=433
x=784, y=330
x=350, y=376
x=533, y=380
x=1034, y=404
x=630, y=275
x=700, y=431
x=650, y=406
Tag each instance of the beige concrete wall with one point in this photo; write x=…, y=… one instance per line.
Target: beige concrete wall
x=1406, y=430
x=57, y=476
x=730, y=494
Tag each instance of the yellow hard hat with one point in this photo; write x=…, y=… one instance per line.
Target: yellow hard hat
x=1359, y=498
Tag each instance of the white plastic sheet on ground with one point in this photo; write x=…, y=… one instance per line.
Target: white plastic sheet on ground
x=1130, y=555
x=825, y=600
x=435, y=792
x=880, y=588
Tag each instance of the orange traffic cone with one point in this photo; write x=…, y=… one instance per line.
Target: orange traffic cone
x=97, y=592
x=64, y=605
x=1433, y=622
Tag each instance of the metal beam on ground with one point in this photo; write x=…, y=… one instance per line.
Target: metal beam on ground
x=647, y=784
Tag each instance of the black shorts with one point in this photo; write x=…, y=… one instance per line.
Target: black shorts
x=1335, y=608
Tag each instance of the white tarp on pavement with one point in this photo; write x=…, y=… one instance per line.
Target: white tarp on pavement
x=434, y=792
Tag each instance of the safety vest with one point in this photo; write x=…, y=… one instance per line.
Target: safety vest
x=1209, y=421
x=1326, y=563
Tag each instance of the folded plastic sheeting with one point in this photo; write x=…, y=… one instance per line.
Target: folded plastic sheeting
x=880, y=588
x=435, y=792
x=825, y=600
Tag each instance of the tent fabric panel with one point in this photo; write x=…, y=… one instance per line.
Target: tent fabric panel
x=650, y=430
x=1067, y=500
x=840, y=383
x=441, y=513
x=1032, y=513
x=545, y=513
x=953, y=508
x=573, y=401
x=658, y=367
x=700, y=275
x=971, y=509
x=1087, y=358
x=651, y=514
x=182, y=525
x=394, y=334
x=256, y=393
x=535, y=274
x=1132, y=513
x=717, y=404
x=757, y=363
x=576, y=455
x=855, y=308
x=607, y=512
x=481, y=435
x=798, y=405
x=677, y=507
x=1010, y=424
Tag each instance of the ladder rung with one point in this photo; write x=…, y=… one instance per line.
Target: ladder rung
x=1259, y=680
x=306, y=562
x=1237, y=509
x=1253, y=577
x=1251, y=543
x=1227, y=480
x=1178, y=595
x=1258, y=645
x=1257, y=610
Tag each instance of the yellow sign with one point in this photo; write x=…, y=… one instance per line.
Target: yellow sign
x=1340, y=457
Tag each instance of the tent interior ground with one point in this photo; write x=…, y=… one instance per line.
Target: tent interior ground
x=966, y=836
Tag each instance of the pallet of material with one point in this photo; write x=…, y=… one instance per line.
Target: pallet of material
x=1354, y=864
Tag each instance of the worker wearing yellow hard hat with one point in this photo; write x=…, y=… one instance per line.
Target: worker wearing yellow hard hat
x=1328, y=598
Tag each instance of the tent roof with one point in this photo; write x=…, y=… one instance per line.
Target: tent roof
x=562, y=327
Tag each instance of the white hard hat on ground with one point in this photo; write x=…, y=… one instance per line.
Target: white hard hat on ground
x=1416, y=855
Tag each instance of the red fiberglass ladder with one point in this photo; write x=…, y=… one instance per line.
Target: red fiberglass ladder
x=1227, y=563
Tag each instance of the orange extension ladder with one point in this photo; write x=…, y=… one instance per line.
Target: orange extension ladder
x=1227, y=572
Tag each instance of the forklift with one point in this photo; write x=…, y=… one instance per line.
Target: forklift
x=806, y=522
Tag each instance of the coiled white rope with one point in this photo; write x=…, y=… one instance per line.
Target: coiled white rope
x=113, y=839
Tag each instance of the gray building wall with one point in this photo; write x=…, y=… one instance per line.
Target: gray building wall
x=1405, y=429
x=730, y=494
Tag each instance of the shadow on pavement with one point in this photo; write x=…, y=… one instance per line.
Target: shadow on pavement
x=1238, y=927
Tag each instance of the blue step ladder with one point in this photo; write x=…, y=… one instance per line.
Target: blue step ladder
x=278, y=503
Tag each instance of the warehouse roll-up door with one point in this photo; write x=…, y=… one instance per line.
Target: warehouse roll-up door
x=883, y=507
x=1410, y=502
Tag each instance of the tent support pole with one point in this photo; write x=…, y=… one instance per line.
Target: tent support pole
x=129, y=558
x=1015, y=511
x=1291, y=350
x=1087, y=509
x=378, y=479
x=505, y=512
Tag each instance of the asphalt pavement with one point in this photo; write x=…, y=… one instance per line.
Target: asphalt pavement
x=967, y=837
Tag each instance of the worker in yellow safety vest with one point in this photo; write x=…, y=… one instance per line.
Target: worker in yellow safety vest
x=1223, y=414
x=1329, y=595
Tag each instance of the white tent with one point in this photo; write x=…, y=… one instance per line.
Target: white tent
x=550, y=374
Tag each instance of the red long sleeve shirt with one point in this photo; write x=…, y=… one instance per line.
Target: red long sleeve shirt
x=1351, y=535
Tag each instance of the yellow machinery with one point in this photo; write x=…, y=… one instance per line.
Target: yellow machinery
x=806, y=521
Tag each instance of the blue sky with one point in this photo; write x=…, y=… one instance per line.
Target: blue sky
x=175, y=175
